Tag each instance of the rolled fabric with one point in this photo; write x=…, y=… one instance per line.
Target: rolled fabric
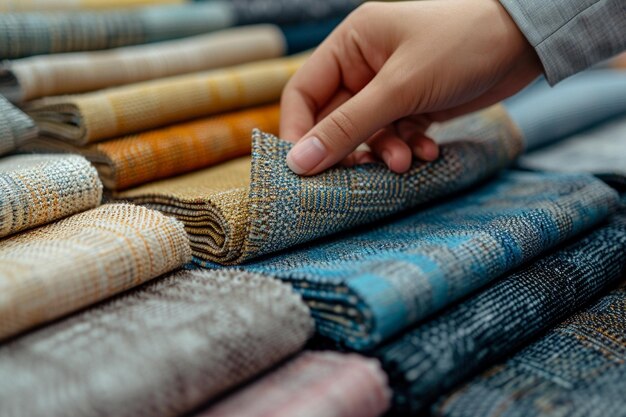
x=59, y=268
x=92, y=117
x=16, y=128
x=37, y=5
x=38, y=189
x=315, y=384
x=248, y=12
x=163, y=349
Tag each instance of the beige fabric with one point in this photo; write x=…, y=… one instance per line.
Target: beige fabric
x=36, y=5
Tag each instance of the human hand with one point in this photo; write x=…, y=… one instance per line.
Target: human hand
x=390, y=69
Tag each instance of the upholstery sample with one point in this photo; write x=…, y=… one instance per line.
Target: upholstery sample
x=38, y=189
x=315, y=384
x=577, y=369
x=16, y=128
x=75, y=262
x=36, y=5
x=434, y=357
x=91, y=117
x=160, y=350
x=289, y=11
x=242, y=209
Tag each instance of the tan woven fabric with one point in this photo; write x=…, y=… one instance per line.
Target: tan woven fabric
x=158, y=351
x=38, y=189
x=49, y=75
x=109, y=113
x=59, y=268
x=36, y=5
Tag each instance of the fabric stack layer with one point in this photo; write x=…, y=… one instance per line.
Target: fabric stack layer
x=315, y=384
x=16, y=128
x=240, y=210
x=92, y=117
x=38, y=189
x=434, y=357
x=289, y=11
x=73, y=263
x=161, y=350
x=35, y=5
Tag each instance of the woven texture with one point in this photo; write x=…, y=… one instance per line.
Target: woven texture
x=234, y=214
x=109, y=113
x=161, y=350
x=35, y=5
x=289, y=11
x=431, y=359
x=321, y=384
x=38, y=189
x=577, y=370
x=59, y=268
x=16, y=128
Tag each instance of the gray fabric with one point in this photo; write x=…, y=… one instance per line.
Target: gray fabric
x=15, y=127
x=570, y=35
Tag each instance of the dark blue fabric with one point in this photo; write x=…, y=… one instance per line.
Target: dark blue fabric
x=308, y=35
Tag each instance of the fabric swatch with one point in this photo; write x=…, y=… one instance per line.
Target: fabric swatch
x=37, y=5
x=91, y=117
x=242, y=209
x=162, y=153
x=38, y=189
x=315, y=384
x=289, y=11
x=16, y=128
x=78, y=261
x=160, y=350
x=434, y=357
x=577, y=369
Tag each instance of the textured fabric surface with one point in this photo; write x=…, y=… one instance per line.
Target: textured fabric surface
x=289, y=11
x=166, y=152
x=78, y=72
x=38, y=189
x=35, y=5
x=432, y=358
x=127, y=109
x=320, y=384
x=577, y=369
x=16, y=128
x=238, y=211
x=59, y=268
x=161, y=350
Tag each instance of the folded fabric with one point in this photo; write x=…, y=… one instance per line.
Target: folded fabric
x=35, y=5
x=16, y=128
x=289, y=11
x=38, y=189
x=161, y=350
x=91, y=117
x=240, y=210
x=576, y=369
x=64, y=266
x=433, y=358
x=24, y=34
x=315, y=384
x=166, y=152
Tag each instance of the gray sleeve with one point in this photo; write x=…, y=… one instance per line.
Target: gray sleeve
x=570, y=35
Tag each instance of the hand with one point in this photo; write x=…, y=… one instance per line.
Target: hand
x=390, y=69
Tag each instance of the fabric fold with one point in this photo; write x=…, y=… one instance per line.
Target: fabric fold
x=16, y=128
x=73, y=263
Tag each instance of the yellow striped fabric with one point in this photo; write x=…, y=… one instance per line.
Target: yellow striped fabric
x=36, y=5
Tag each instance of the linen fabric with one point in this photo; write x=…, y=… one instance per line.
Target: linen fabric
x=432, y=358
x=38, y=189
x=577, y=369
x=16, y=128
x=91, y=117
x=59, y=268
x=243, y=209
x=36, y=5
x=314, y=384
x=161, y=350
x=289, y=11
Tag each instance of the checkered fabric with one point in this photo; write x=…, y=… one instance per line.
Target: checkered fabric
x=16, y=128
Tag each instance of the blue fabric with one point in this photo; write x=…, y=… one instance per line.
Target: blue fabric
x=248, y=12
x=308, y=35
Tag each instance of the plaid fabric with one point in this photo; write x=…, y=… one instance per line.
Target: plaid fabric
x=166, y=152
x=161, y=350
x=320, y=384
x=38, y=189
x=16, y=128
x=35, y=5
x=233, y=215
x=59, y=268
x=433, y=358
x=576, y=369
x=289, y=11
x=117, y=111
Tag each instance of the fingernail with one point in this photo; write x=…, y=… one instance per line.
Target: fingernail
x=306, y=155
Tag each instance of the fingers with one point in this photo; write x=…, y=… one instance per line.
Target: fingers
x=394, y=151
x=411, y=129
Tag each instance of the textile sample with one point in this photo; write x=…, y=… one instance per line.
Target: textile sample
x=166, y=152
x=577, y=369
x=234, y=212
x=315, y=384
x=433, y=358
x=64, y=266
x=37, y=5
x=16, y=128
x=290, y=11
x=160, y=350
x=38, y=189
x=91, y=117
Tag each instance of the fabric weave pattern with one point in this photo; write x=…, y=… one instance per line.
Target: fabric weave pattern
x=16, y=128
